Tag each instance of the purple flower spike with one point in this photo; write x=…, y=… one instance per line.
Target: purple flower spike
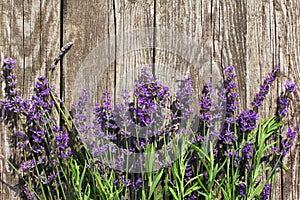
x=290, y=87
x=10, y=78
x=247, y=151
x=241, y=188
x=266, y=192
x=283, y=104
x=28, y=194
x=287, y=143
x=283, y=101
x=229, y=94
x=9, y=63
x=264, y=88
x=291, y=134
x=247, y=120
x=60, y=55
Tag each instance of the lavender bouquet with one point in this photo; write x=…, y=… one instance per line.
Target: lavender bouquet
x=69, y=155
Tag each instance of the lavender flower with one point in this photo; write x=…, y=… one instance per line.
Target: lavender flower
x=290, y=87
x=228, y=137
x=287, y=143
x=61, y=54
x=282, y=106
x=233, y=153
x=247, y=151
x=104, y=115
x=11, y=103
x=79, y=113
x=28, y=194
x=28, y=165
x=138, y=184
x=205, y=102
x=230, y=94
x=62, y=149
x=241, y=189
x=9, y=63
x=247, y=120
x=266, y=192
x=10, y=78
x=188, y=172
x=283, y=101
x=264, y=88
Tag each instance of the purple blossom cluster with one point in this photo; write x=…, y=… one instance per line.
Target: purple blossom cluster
x=40, y=141
x=234, y=143
x=62, y=149
x=205, y=103
x=119, y=124
x=264, y=88
x=10, y=78
x=45, y=145
x=80, y=115
x=230, y=93
x=283, y=100
x=266, y=192
x=134, y=183
x=147, y=95
x=287, y=142
x=247, y=151
x=230, y=96
x=241, y=189
x=28, y=194
x=247, y=120
x=12, y=101
x=61, y=54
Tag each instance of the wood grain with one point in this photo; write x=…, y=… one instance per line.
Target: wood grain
x=252, y=35
x=88, y=24
x=133, y=20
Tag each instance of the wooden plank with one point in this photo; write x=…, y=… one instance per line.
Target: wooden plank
x=88, y=24
x=229, y=37
x=133, y=21
x=184, y=42
x=29, y=34
x=271, y=32
x=254, y=36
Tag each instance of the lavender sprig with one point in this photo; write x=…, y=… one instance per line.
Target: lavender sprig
x=283, y=100
x=266, y=192
x=264, y=88
x=60, y=55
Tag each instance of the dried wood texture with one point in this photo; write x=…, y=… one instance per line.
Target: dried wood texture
x=30, y=32
x=132, y=20
x=88, y=24
x=252, y=35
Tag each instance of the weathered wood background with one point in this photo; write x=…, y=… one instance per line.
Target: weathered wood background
x=253, y=35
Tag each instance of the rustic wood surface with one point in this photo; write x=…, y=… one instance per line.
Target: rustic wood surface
x=253, y=35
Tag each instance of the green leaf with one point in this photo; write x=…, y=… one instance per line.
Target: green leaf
x=82, y=177
x=173, y=193
x=284, y=167
x=158, y=196
x=150, y=157
x=201, y=184
x=192, y=189
x=155, y=182
x=87, y=192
